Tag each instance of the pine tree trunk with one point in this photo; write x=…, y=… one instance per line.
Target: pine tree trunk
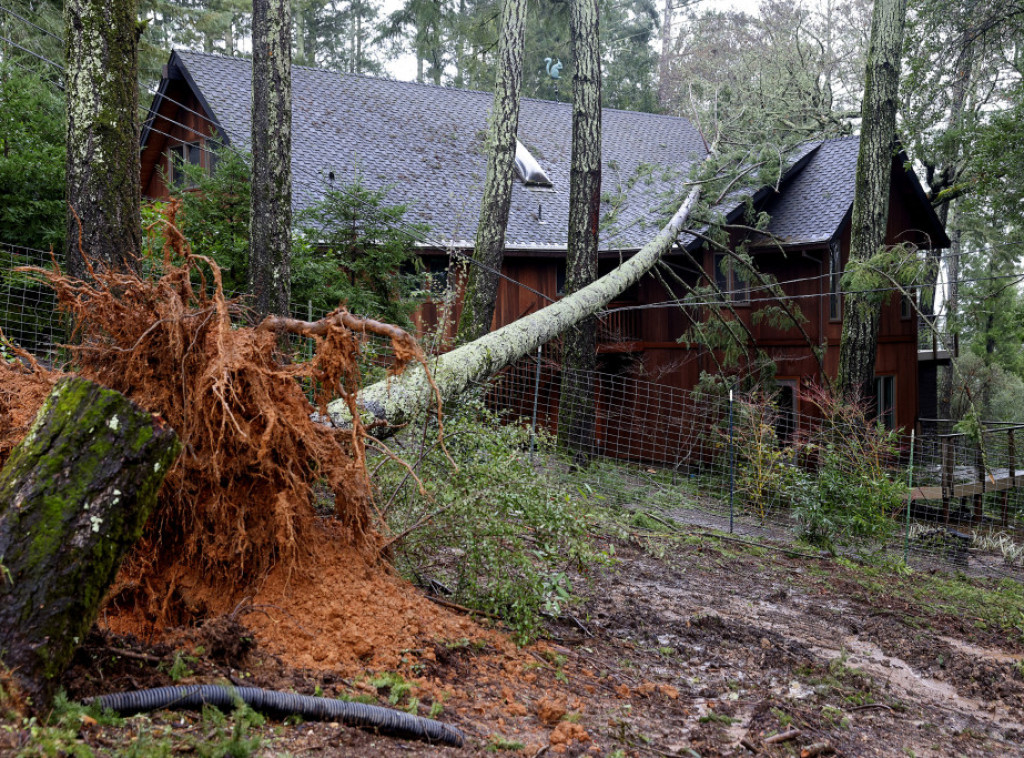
x=102, y=137
x=579, y=345
x=952, y=308
x=270, y=227
x=482, y=279
x=665, y=59
x=74, y=497
x=870, y=218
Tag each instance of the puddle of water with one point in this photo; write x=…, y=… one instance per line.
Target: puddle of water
x=898, y=674
x=985, y=653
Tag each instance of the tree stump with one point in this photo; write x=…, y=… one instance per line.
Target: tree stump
x=74, y=497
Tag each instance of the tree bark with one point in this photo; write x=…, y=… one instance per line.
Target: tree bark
x=665, y=59
x=271, y=224
x=870, y=218
x=952, y=318
x=482, y=276
x=102, y=136
x=398, y=400
x=579, y=343
x=74, y=497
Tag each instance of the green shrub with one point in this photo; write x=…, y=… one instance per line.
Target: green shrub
x=853, y=489
x=499, y=533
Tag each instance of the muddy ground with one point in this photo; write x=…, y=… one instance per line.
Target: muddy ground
x=686, y=645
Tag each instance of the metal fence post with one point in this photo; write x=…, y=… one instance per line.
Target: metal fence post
x=536, y=399
x=910, y=499
x=732, y=466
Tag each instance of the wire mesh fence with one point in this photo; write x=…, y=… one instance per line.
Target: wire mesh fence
x=28, y=310
x=743, y=463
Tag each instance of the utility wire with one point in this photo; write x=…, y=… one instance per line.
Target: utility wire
x=34, y=54
x=32, y=24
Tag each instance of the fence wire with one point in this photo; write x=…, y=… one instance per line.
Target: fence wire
x=952, y=500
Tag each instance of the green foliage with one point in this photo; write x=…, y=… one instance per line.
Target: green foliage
x=852, y=492
x=32, y=206
x=897, y=266
x=987, y=388
x=214, y=217
x=500, y=534
x=230, y=738
x=356, y=249
x=179, y=668
x=351, y=247
x=395, y=685
x=766, y=473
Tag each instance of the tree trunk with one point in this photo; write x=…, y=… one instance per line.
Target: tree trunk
x=271, y=224
x=870, y=218
x=102, y=165
x=74, y=497
x=398, y=400
x=579, y=343
x=665, y=59
x=951, y=306
x=482, y=277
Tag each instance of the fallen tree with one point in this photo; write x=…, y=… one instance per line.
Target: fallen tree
x=396, y=401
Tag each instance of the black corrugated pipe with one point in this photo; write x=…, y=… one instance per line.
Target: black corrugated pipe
x=282, y=704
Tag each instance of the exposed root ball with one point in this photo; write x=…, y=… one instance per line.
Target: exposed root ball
x=239, y=499
x=23, y=387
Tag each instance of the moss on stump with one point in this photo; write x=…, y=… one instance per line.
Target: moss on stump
x=74, y=497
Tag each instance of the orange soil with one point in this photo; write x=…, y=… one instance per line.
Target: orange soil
x=22, y=392
x=337, y=611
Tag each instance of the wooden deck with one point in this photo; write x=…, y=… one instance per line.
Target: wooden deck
x=989, y=484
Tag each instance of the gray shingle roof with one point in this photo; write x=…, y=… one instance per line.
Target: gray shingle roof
x=814, y=203
x=427, y=144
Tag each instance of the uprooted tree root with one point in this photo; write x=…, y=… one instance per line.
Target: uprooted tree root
x=239, y=500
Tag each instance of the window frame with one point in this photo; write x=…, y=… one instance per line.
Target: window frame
x=732, y=289
x=907, y=304
x=177, y=155
x=885, y=390
x=835, y=275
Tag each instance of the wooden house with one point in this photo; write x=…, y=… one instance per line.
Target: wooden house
x=425, y=144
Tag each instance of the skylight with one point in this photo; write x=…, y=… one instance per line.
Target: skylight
x=529, y=170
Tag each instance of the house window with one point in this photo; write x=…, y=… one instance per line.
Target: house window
x=835, y=273
x=728, y=280
x=560, y=279
x=186, y=153
x=787, y=405
x=885, y=401
x=437, y=275
x=907, y=305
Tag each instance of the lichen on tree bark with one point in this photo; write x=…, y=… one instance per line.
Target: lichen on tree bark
x=871, y=199
x=482, y=276
x=102, y=135
x=74, y=496
x=271, y=217
x=579, y=344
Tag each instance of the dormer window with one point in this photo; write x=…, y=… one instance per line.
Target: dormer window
x=529, y=170
x=186, y=153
